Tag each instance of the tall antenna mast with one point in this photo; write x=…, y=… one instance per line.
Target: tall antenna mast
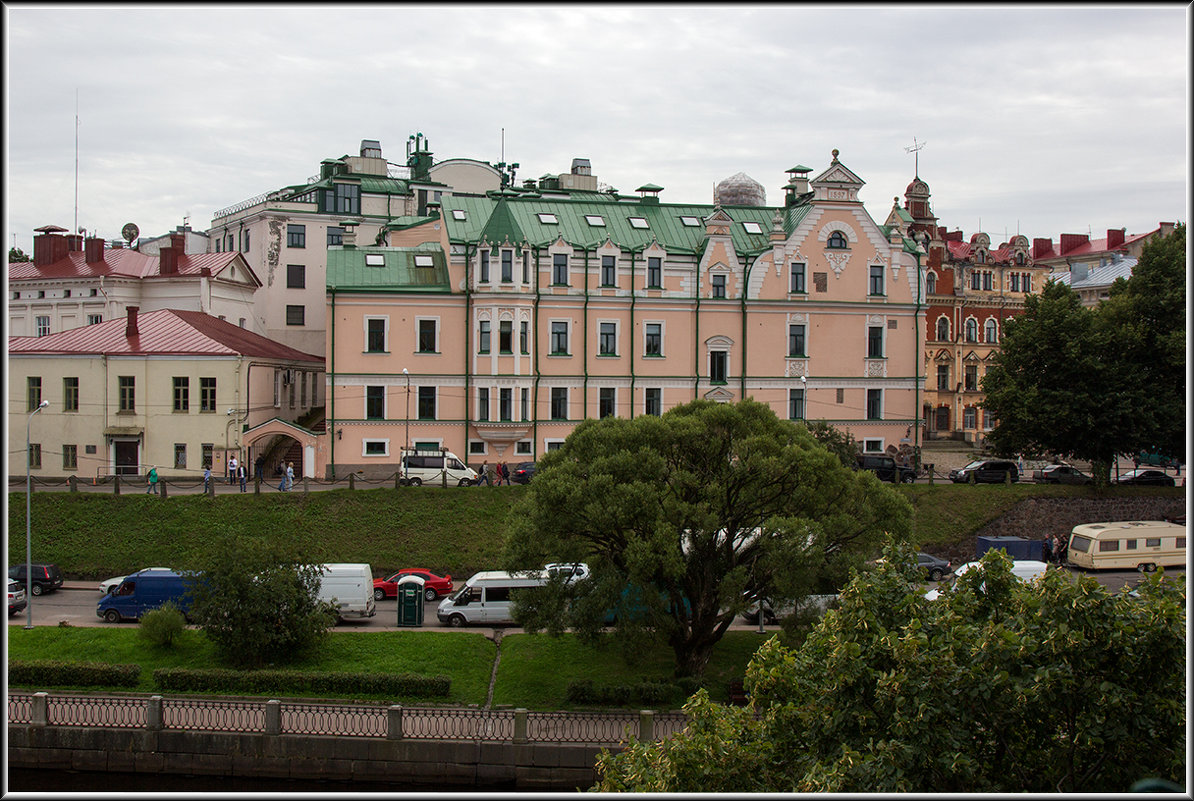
x=76, y=225
x=915, y=149
x=503, y=145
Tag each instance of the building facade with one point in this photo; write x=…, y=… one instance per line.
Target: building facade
x=497, y=326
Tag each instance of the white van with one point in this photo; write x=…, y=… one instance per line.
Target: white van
x=349, y=588
x=1132, y=544
x=485, y=598
x=428, y=467
x=1023, y=569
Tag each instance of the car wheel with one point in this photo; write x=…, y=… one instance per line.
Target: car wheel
x=416, y=482
x=456, y=621
x=464, y=482
x=430, y=594
x=909, y=478
x=935, y=574
x=36, y=589
x=112, y=616
x=379, y=594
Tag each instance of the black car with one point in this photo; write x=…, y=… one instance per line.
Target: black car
x=935, y=568
x=986, y=471
x=885, y=468
x=1141, y=476
x=522, y=473
x=46, y=578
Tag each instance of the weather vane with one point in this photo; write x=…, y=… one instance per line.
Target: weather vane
x=915, y=148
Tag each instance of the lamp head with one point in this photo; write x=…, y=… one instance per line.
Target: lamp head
x=803, y=380
x=405, y=371
x=43, y=404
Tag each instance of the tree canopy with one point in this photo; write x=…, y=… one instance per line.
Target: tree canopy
x=996, y=686
x=679, y=515
x=16, y=255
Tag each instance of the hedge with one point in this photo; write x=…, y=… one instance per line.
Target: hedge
x=650, y=693
x=252, y=682
x=55, y=673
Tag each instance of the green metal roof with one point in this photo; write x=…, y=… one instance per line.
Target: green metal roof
x=402, y=223
x=347, y=269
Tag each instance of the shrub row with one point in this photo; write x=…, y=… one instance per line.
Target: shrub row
x=252, y=682
x=55, y=673
x=648, y=693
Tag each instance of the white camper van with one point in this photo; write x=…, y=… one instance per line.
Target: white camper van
x=349, y=588
x=428, y=467
x=485, y=598
x=1130, y=544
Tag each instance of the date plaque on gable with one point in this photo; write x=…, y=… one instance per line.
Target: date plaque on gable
x=821, y=282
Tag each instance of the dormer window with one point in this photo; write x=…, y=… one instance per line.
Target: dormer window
x=458, y=214
x=754, y=228
x=689, y=222
x=638, y=222
x=1020, y=258
x=375, y=260
x=837, y=241
x=595, y=220
x=980, y=257
x=547, y=218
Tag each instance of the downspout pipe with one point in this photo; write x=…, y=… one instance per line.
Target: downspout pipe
x=538, y=374
x=696, y=341
x=632, y=354
x=469, y=249
x=584, y=345
x=330, y=428
x=916, y=366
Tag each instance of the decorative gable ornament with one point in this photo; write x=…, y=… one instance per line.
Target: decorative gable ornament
x=720, y=395
x=837, y=183
x=838, y=261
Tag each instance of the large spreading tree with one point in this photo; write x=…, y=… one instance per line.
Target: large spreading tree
x=997, y=686
x=683, y=517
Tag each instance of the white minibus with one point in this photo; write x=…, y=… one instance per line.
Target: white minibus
x=349, y=589
x=428, y=467
x=485, y=598
x=1141, y=544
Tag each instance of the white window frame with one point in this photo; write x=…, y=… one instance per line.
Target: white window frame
x=872, y=445
x=385, y=403
x=617, y=337
x=751, y=227
x=662, y=339
x=385, y=319
x=567, y=321
x=418, y=345
x=365, y=443
x=552, y=444
x=639, y=223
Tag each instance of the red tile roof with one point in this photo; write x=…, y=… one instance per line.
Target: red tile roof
x=128, y=264
x=1095, y=246
x=165, y=332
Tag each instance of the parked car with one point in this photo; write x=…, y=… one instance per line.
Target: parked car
x=572, y=571
x=885, y=468
x=145, y=591
x=523, y=472
x=16, y=597
x=985, y=471
x=46, y=577
x=935, y=568
x=108, y=585
x=1141, y=476
x=1061, y=474
x=433, y=585
x=1023, y=569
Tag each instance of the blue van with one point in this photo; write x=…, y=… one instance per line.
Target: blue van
x=143, y=592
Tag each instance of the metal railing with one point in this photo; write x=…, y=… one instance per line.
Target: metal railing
x=345, y=720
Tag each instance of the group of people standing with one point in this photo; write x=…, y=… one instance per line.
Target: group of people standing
x=501, y=473
x=1054, y=549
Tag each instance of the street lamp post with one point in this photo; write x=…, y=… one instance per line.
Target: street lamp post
x=406, y=444
x=29, y=517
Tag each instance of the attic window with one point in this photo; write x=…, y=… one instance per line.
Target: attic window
x=638, y=222
x=375, y=260
x=690, y=222
x=595, y=220
x=752, y=227
x=458, y=214
x=423, y=261
x=548, y=218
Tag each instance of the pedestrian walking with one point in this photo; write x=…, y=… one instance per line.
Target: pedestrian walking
x=484, y=474
x=290, y=476
x=282, y=483
x=503, y=474
x=243, y=474
x=259, y=468
x=1047, y=549
x=206, y=477
x=1059, y=551
x=152, y=480
x=232, y=465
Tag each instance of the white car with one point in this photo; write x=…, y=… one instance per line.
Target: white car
x=109, y=585
x=1023, y=569
x=571, y=571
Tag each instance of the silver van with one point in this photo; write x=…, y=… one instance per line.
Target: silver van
x=485, y=598
x=428, y=467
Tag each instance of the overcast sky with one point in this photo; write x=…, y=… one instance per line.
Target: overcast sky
x=1042, y=120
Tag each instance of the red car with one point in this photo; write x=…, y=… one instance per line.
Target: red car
x=433, y=586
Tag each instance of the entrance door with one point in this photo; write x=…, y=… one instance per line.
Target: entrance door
x=125, y=452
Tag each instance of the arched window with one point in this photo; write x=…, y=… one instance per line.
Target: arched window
x=1020, y=258
x=980, y=257
x=942, y=329
x=971, y=330
x=837, y=240
x=931, y=284
x=990, y=332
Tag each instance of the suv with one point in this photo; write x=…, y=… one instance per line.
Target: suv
x=46, y=578
x=986, y=471
x=885, y=468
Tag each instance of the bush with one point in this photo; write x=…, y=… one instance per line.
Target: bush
x=584, y=692
x=310, y=682
x=54, y=673
x=162, y=625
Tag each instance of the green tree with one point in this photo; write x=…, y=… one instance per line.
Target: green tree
x=682, y=514
x=257, y=601
x=997, y=686
x=840, y=443
x=16, y=255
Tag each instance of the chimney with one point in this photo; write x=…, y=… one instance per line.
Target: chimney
x=1071, y=241
x=49, y=248
x=168, y=261
x=74, y=242
x=93, y=249
x=130, y=328
x=178, y=241
x=1115, y=237
x=1166, y=228
x=1042, y=248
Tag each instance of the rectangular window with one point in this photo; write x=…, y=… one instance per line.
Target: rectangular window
x=559, y=338
x=207, y=449
x=244, y=241
x=524, y=404
x=797, y=283
x=876, y=286
x=379, y=260
x=607, y=344
x=70, y=457
x=484, y=276
x=506, y=404
x=1131, y=545
x=943, y=378
x=608, y=277
x=43, y=325
x=35, y=455
x=375, y=403
x=296, y=276
x=526, y=267
x=1015, y=282
x=796, y=340
x=507, y=266
x=95, y=319
x=559, y=403
x=719, y=285
x=427, y=336
x=476, y=447
x=302, y=382
x=70, y=394
x=524, y=336
x=376, y=447
x=375, y=335
x=559, y=269
x=971, y=378
x=348, y=199
x=969, y=418
x=296, y=236
x=1152, y=542
x=607, y=398
x=987, y=420
x=874, y=404
x=718, y=369
x=128, y=393
x=874, y=342
x=653, y=401
x=32, y=392
x=483, y=404
x=296, y=315
x=506, y=336
x=653, y=339
x=207, y=394
x=426, y=403
x=180, y=455
x=986, y=280
x=1108, y=545
x=335, y=235
x=182, y=393
x=654, y=272
x=795, y=404
x=483, y=337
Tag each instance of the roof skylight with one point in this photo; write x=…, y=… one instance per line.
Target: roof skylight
x=458, y=214
x=691, y=222
x=548, y=218
x=752, y=227
x=375, y=260
x=638, y=222
x=596, y=220
x=423, y=261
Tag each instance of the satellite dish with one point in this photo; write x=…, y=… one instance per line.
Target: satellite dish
x=130, y=232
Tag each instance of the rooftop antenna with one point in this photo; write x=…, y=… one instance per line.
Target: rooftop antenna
x=915, y=149
x=76, y=158
x=503, y=145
